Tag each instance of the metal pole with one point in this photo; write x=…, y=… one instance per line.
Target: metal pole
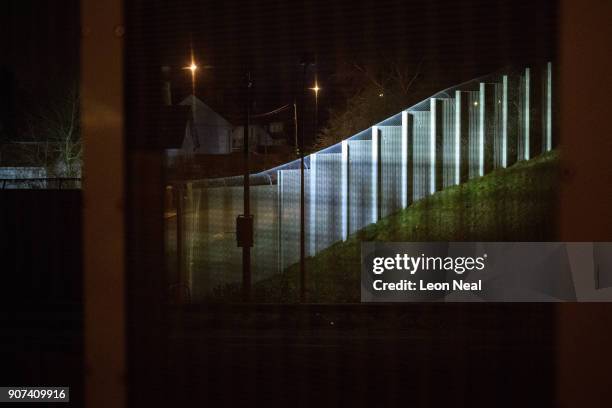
x=295, y=125
x=316, y=113
x=302, y=195
x=180, y=194
x=246, y=249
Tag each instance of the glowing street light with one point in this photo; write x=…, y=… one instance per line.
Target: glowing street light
x=193, y=67
x=316, y=89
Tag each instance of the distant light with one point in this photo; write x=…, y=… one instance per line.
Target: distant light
x=380, y=95
x=316, y=88
x=193, y=67
x=475, y=103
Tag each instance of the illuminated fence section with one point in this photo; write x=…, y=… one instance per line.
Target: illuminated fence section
x=491, y=135
x=454, y=136
x=212, y=258
x=533, y=135
x=474, y=149
x=523, y=125
x=390, y=169
x=450, y=142
x=548, y=101
x=265, y=252
x=325, y=201
x=422, y=152
x=289, y=217
x=359, y=184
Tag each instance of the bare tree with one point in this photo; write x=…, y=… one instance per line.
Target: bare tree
x=374, y=92
x=57, y=127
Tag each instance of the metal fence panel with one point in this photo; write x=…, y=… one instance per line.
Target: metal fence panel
x=360, y=184
x=391, y=169
x=422, y=151
x=450, y=142
x=474, y=150
x=325, y=201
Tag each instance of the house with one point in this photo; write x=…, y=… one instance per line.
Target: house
x=206, y=131
x=194, y=134
x=260, y=139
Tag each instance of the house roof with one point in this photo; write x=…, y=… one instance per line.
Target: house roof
x=204, y=115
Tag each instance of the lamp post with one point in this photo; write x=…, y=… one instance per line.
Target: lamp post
x=192, y=67
x=306, y=62
x=180, y=196
x=244, y=223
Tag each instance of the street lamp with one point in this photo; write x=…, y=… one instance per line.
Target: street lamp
x=193, y=67
x=316, y=90
x=305, y=63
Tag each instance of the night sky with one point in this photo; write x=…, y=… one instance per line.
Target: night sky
x=39, y=42
x=457, y=40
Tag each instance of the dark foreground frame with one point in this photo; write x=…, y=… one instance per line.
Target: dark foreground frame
x=126, y=327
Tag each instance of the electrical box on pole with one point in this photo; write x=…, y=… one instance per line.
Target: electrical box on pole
x=244, y=231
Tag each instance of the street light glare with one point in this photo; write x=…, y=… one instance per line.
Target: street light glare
x=316, y=88
x=192, y=67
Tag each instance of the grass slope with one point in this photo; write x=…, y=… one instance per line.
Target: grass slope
x=514, y=204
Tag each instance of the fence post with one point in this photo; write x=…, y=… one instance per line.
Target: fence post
x=437, y=147
x=180, y=195
x=312, y=210
x=487, y=127
x=407, y=160
x=375, y=173
x=504, y=121
x=462, y=129
x=532, y=114
x=345, y=189
x=549, y=109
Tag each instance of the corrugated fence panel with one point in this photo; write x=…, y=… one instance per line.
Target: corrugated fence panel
x=524, y=113
x=360, y=184
x=264, y=205
x=474, y=150
x=422, y=154
x=391, y=169
x=450, y=144
x=212, y=257
x=499, y=148
x=326, y=215
x=289, y=220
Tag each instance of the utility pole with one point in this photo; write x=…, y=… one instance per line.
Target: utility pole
x=305, y=63
x=244, y=222
x=295, y=128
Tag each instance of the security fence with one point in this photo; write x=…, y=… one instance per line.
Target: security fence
x=458, y=134
x=45, y=183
